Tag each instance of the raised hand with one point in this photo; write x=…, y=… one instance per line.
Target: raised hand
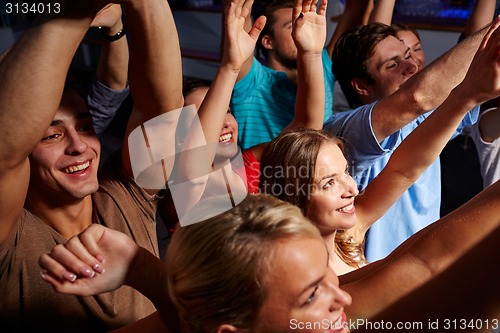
x=95, y=261
x=309, y=25
x=482, y=81
x=239, y=45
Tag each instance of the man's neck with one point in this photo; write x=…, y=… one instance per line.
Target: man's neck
x=277, y=66
x=68, y=218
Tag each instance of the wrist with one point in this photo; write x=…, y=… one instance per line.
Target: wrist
x=230, y=68
x=114, y=33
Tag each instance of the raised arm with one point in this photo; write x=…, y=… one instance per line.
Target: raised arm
x=195, y=165
x=33, y=74
x=382, y=11
x=110, y=87
x=473, y=276
x=155, y=71
x=425, y=90
x=482, y=14
x=356, y=12
x=247, y=26
x=423, y=256
x=309, y=34
x=421, y=148
x=239, y=45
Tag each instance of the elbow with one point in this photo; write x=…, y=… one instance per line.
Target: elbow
x=418, y=102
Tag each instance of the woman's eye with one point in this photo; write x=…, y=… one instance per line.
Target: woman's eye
x=311, y=298
x=329, y=184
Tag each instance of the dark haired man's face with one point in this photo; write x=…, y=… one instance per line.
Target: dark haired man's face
x=284, y=49
x=390, y=66
x=65, y=161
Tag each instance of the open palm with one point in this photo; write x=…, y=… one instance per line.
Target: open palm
x=309, y=30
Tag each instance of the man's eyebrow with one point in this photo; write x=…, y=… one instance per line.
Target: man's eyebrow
x=55, y=122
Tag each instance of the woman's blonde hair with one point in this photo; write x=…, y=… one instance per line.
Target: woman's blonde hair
x=216, y=267
x=287, y=172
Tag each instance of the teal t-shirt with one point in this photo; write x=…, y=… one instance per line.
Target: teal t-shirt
x=263, y=102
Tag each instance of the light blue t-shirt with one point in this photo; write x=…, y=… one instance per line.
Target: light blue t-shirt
x=418, y=206
x=263, y=102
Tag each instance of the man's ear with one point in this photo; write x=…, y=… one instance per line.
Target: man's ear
x=226, y=328
x=267, y=42
x=360, y=87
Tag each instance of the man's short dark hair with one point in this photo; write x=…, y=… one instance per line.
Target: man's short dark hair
x=350, y=54
x=191, y=84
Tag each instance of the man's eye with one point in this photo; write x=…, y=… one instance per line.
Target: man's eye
x=50, y=137
x=86, y=128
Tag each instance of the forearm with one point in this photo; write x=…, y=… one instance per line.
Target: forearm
x=112, y=69
x=155, y=69
x=148, y=275
x=197, y=163
x=216, y=104
x=436, y=301
x=482, y=15
x=432, y=85
x=424, y=255
x=42, y=55
x=155, y=78
x=425, y=90
x=408, y=162
x=382, y=11
x=423, y=146
x=310, y=101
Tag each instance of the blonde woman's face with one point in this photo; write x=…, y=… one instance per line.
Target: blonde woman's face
x=331, y=205
x=302, y=289
x=416, y=51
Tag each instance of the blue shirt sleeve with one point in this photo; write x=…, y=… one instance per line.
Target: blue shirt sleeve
x=103, y=103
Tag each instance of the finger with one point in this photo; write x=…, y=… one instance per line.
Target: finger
x=490, y=31
x=297, y=9
x=230, y=7
x=306, y=6
x=322, y=7
x=90, y=239
x=257, y=27
x=68, y=261
x=65, y=287
x=77, y=248
x=246, y=8
x=51, y=266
